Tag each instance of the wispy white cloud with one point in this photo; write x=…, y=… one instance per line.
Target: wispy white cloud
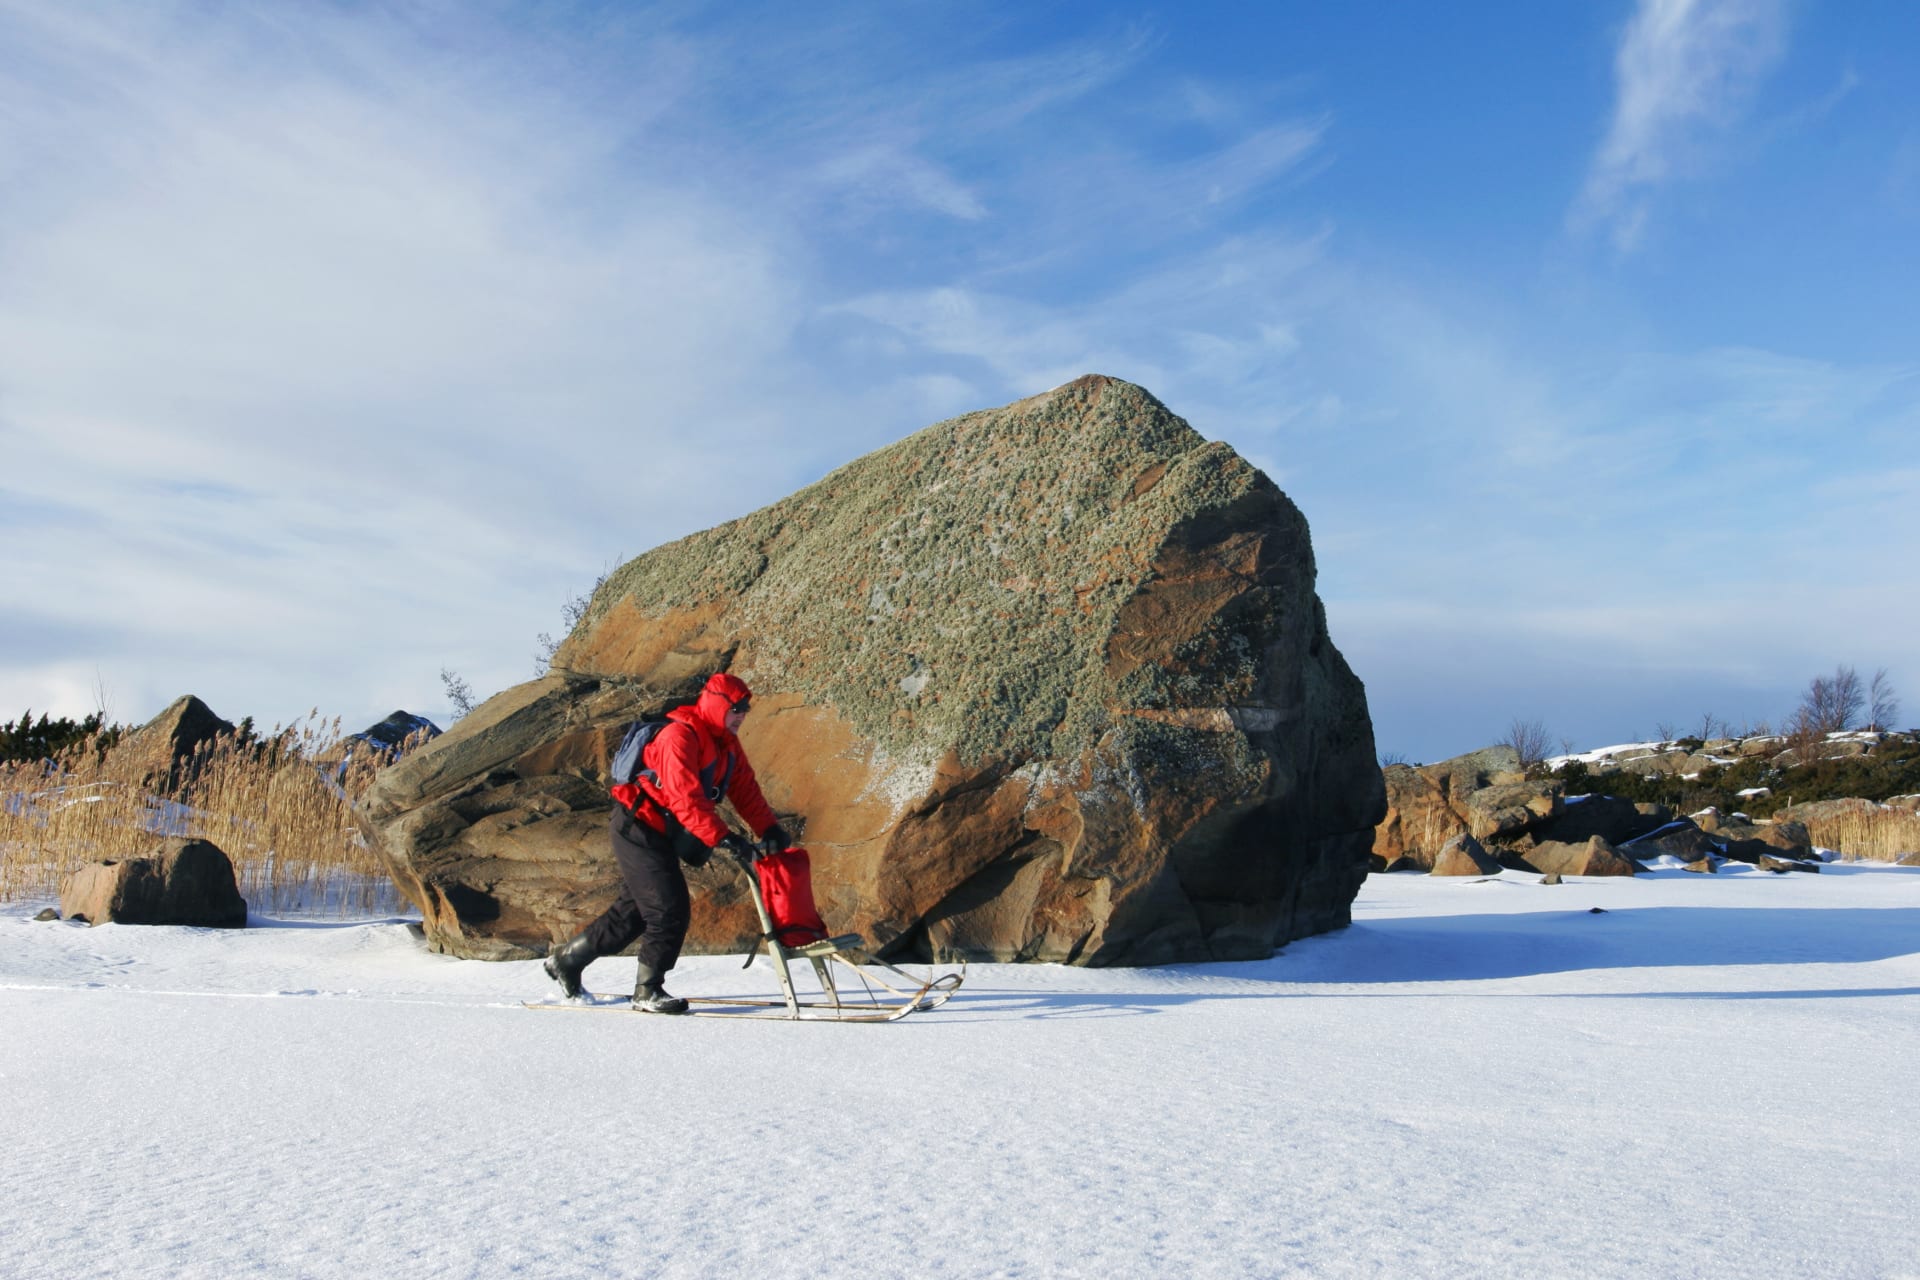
x=400, y=310
x=1683, y=69
x=881, y=175
x=334, y=346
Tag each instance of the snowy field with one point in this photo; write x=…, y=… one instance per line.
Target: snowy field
x=1712, y=1076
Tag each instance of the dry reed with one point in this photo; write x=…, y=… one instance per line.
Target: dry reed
x=1867, y=832
x=280, y=807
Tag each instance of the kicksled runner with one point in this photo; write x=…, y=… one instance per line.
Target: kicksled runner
x=791, y=930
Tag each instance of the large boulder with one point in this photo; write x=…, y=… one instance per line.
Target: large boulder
x=185, y=882
x=1045, y=682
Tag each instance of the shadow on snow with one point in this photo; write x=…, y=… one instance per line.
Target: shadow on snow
x=1420, y=952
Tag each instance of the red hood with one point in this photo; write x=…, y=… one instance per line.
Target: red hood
x=717, y=698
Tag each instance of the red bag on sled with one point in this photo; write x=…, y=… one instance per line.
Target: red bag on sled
x=786, y=886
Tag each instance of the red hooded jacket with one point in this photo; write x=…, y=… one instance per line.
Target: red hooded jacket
x=696, y=762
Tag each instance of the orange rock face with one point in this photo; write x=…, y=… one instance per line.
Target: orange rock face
x=1046, y=682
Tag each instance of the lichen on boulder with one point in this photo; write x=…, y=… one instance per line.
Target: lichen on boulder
x=1048, y=681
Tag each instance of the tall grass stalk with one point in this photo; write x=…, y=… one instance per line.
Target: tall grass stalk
x=1867, y=832
x=280, y=806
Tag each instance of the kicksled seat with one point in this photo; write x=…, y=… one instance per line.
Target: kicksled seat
x=791, y=929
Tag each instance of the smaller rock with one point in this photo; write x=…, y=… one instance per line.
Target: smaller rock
x=1681, y=839
x=1787, y=835
x=48, y=914
x=1512, y=806
x=188, y=882
x=1704, y=867
x=1464, y=856
x=1552, y=877
x=397, y=730
x=1780, y=866
x=1596, y=911
x=1595, y=857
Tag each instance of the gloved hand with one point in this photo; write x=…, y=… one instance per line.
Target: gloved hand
x=739, y=847
x=695, y=854
x=775, y=839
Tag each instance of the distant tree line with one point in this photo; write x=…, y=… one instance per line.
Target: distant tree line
x=47, y=738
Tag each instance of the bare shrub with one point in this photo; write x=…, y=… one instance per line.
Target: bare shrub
x=459, y=692
x=1530, y=740
x=1831, y=704
x=1883, y=704
x=570, y=613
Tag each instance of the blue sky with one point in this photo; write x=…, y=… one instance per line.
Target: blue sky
x=340, y=343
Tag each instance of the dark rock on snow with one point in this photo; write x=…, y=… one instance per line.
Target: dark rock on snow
x=185, y=882
x=1678, y=839
x=397, y=729
x=1046, y=682
x=1617, y=820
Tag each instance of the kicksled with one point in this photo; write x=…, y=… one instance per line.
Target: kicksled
x=792, y=931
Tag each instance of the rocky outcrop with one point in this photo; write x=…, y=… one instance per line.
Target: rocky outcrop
x=1690, y=757
x=166, y=745
x=1484, y=794
x=1421, y=817
x=1526, y=823
x=1045, y=682
x=185, y=882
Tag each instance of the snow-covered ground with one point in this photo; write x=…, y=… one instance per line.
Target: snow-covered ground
x=1711, y=1076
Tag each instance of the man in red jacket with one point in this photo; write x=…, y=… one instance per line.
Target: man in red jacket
x=663, y=819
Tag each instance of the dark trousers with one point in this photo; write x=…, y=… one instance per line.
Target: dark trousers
x=653, y=905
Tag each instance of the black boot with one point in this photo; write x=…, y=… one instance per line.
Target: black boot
x=650, y=997
x=566, y=962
